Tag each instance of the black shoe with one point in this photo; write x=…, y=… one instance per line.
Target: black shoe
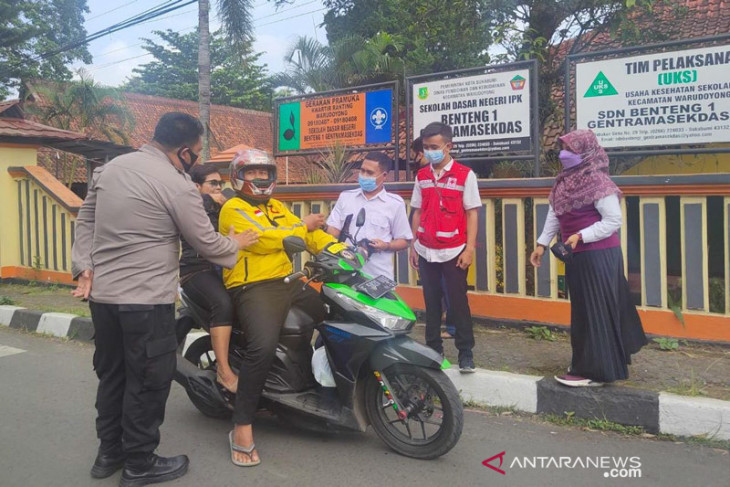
x=107, y=463
x=466, y=365
x=156, y=469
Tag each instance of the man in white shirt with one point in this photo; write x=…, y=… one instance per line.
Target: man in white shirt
x=386, y=223
x=446, y=200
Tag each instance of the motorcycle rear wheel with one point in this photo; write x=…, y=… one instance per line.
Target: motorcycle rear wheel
x=200, y=353
x=435, y=415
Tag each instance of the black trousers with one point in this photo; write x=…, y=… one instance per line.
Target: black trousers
x=206, y=289
x=454, y=281
x=134, y=361
x=261, y=310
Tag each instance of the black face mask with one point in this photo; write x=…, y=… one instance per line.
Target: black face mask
x=193, y=157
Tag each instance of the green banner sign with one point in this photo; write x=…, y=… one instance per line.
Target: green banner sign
x=289, y=133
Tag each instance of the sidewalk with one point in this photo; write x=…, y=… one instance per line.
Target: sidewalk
x=515, y=371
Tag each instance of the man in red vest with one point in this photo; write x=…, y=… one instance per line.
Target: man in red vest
x=445, y=202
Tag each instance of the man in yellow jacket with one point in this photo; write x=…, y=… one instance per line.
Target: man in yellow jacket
x=261, y=298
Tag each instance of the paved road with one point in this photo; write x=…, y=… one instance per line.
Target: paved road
x=47, y=438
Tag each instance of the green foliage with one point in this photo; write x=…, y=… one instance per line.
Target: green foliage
x=350, y=61
x=438, y=35
x=37, y=263
x=6, y=300
x=540, y=333
x=82, y=106
x=667, y=344
x=30, y=28
x=236, y=78
x=694, y=386
x=717, y=294
x=569, y=419
x=333, y=166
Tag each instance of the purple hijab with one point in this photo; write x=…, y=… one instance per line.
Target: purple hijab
x=587, y=182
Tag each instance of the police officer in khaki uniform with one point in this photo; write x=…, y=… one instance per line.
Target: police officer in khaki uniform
x=125, y=257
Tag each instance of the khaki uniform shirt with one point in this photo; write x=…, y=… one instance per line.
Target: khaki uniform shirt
x=128, y=229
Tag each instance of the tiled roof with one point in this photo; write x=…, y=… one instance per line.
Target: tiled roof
x=32, y=131
x=229, y=126
x=10, y=108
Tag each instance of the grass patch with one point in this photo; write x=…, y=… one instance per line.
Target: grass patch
x=701, y=440
x=569, y=419
x=6, y=300
x=540, y=333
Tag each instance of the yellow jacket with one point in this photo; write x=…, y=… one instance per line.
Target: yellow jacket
x=266, y=258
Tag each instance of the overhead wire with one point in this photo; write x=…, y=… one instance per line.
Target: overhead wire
x=104, y=66
x=163, y=8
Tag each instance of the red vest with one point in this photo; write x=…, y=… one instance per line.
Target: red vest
x=443, y=218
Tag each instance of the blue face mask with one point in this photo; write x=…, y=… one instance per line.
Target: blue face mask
x=434, y=157
x=367, y=184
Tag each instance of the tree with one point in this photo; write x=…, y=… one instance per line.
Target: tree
x=439, y=35
x=31, y=28
x=334, y=165
x=82, y=106
x=237, y=28
x=237, y=79
x=548, y=30
x=350, y=61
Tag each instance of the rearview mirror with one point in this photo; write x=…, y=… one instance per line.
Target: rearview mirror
x=294, y=245
x=360, y=218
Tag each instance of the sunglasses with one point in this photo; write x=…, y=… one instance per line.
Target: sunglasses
x=215, y=183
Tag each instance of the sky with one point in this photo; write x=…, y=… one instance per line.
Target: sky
x=117, y=54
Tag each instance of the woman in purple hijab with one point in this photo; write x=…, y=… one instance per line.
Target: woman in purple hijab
x=605, y=329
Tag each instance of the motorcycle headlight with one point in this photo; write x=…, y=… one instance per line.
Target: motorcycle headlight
x=383, y=318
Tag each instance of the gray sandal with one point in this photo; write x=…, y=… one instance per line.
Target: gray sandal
x=247, y=451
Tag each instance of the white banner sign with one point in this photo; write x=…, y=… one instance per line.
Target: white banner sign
x=489, y=113
x=668, y=98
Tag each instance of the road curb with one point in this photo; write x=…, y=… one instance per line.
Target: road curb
x=62, y=325
x=655, y=412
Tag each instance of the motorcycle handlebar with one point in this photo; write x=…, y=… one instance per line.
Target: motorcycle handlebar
x=296, y=275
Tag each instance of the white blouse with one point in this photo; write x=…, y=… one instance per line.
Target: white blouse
x=610, y=222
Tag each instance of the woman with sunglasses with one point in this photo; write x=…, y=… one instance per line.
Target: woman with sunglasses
x=605, y=329
x=202, y=281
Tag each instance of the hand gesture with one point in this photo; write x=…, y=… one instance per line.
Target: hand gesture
x=244, y=239
x=536, y=256
x=83, y=289
x=465, y=259
x=218, y=198
x=573, y=240
x=313, y=221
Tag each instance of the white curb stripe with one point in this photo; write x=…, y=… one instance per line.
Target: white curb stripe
x=6, y=314
x=496, y=388
x=691, y=416
x=6, y=350
x=55, y=324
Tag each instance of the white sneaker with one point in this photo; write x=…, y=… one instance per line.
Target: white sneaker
x=577, y=381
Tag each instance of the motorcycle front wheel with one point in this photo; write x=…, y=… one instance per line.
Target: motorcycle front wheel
x=432, y=415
